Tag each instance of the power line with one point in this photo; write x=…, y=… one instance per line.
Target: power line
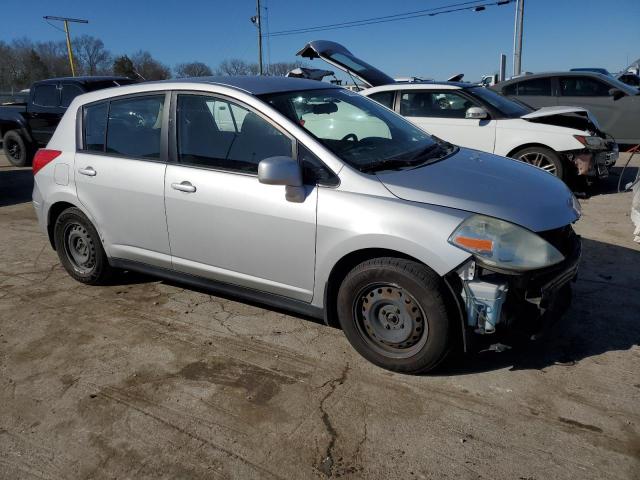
x=431, y=12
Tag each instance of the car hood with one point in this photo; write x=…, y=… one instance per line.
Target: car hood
x=338, y=56
x=572, y=117
x=489, y=185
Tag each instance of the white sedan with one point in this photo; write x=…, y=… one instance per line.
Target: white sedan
x=560, y=140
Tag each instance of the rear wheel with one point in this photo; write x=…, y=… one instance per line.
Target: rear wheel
x=393, y=312
x=18, y=152
x=80, y=249
x=543, y=158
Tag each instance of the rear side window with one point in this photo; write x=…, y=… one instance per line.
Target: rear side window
x=215, y=133
x=434, y=104
x=134, y=126
x=534, y=87
x=69, y=92
x=384, y=98
x=46, y=96
x=583, y=87
x=95, y=126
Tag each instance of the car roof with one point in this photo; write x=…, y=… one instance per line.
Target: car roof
x=257, y=85
x=426, y=85
x=84, y=79
x=558, y=74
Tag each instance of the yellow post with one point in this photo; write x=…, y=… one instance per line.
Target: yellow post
x=69, y=50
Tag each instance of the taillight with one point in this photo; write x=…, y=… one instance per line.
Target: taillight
x=42, y=157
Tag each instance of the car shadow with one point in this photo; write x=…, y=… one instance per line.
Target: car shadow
x=603, y=318
x=16, y=186
x=615, y=182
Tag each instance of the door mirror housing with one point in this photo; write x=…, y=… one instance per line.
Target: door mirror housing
x=285, y=171
x=616, y=93
x=476, y=113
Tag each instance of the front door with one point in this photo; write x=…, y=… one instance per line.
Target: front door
x=223, y=223
x=119, y=174
x=442, y=113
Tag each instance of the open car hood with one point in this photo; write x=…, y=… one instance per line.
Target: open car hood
x=571, y=117
x=338, y=56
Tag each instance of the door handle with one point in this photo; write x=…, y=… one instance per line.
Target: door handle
x=88, y=171
x=184, y=187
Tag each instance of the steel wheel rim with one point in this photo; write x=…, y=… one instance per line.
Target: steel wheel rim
x=14, y=150
x=390, y=320
x=79, y=248
x=540, y=160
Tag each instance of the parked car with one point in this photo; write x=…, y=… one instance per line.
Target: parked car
x=602, y=71
x=410, y=243
x=561, y=140
x=630, y=78
x=26, y=126
x=615, y=105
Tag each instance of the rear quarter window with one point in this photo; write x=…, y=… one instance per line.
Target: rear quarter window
x=384, y=98
x=94, y=125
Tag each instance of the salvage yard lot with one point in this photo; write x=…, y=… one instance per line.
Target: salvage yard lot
x=147, y=379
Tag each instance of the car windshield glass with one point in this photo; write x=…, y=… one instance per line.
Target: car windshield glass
x=360, y=131
x=628, y=89
x=507, y=107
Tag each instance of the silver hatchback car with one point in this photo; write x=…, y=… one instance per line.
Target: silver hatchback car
x=312, y=198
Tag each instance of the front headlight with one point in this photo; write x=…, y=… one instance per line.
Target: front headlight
x=594, y=142
x=504, y=245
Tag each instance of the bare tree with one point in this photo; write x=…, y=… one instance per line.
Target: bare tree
x=91, y=55
x=148, y=67
x=192, y=69
x=123, y=67
x=236, y=66
x=280, y=69
x=54, y=56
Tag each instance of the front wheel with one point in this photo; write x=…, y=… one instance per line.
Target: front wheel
x=393, y=312
x=543, y=158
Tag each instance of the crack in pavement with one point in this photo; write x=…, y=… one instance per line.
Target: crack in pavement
x=326, y=465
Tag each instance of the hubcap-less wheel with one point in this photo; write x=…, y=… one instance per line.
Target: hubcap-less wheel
x=79, y=248
x=540, y=160
x=390, y=320
x=14, y=150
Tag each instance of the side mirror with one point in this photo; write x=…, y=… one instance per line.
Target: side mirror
x=283, y=171
x=476, y=113
x=616, y=93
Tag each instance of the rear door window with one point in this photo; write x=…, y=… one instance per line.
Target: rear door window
x=583, y=87
x=535, y=87
x=384, y=98
x=45, y=95
x=442, y=104
x=135, y=125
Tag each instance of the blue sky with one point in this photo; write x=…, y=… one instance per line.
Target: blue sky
x=559, y=34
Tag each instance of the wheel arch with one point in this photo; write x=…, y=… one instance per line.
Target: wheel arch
x=529, y=145
x=342, y=267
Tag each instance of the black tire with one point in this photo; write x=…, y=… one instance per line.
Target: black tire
x=550, y=160
x=76, y=240
x=417, y=336
x=18, y=151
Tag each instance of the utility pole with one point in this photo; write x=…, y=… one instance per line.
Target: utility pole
x=259, y=15
x=66, y=31
x=517, y=38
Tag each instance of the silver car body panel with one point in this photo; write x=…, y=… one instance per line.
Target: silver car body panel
x=236, y=230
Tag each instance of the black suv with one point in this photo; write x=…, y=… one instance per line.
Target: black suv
x=24, y=127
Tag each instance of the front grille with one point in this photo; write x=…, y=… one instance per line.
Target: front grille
x=564, y=239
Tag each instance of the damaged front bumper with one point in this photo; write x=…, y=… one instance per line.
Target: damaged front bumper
x=594, y=162
x=496, y=303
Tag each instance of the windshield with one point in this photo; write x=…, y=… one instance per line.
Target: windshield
x=507, y=107
x=360, y=131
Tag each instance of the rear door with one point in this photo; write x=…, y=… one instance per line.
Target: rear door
x=119, y=174
x=442, y=113
x=44, y=111
x=536, y=92
x=223, y=223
